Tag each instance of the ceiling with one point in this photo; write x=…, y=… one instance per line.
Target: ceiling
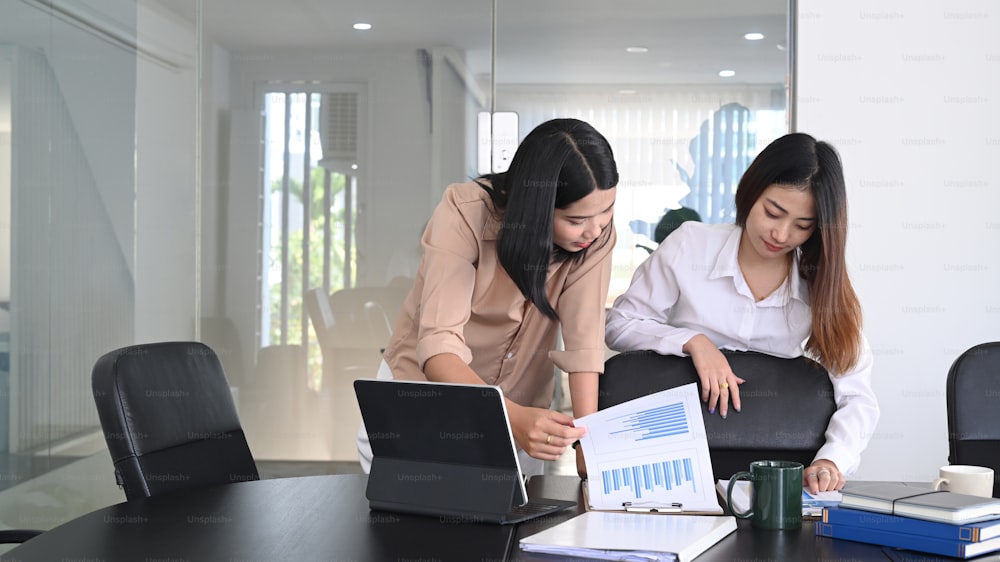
x=556, y=42
x=537, y=41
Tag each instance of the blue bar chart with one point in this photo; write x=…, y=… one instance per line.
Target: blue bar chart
x=649, y=477
x=652, y=426
x=654, y=423
x=651, y=449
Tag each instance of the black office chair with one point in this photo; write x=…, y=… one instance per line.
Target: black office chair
x=16, y=536
x=169, y=419
x=786, y=404
x=973, y=402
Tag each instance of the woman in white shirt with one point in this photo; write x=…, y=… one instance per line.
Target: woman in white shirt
x=775, y=282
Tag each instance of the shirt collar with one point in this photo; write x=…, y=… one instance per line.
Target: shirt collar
x=799, y=289
x=727, y=265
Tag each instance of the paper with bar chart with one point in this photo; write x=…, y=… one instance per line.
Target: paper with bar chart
x=650, y=452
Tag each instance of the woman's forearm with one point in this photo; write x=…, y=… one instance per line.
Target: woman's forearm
x=448, y=367
x=583, y=393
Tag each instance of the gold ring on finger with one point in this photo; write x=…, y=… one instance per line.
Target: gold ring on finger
x=548, y=439
x=723, y=385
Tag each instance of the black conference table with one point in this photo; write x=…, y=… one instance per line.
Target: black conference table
x=327, y=518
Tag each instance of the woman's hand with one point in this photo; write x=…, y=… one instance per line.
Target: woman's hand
x=543, y=434
x=719, y=384
x=822, y=476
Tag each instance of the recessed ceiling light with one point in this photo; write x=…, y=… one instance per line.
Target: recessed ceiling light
x=626, y=92
x=781, y=47
x=753, y=36
x=636, y=50
x=360, y=26
x=727, y=73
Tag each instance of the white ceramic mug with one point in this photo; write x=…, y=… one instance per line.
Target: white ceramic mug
x=965, y=479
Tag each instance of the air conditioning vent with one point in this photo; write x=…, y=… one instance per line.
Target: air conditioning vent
x=338, y=130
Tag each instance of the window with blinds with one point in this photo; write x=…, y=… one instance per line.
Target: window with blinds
x=675, y=146
x=309, y=210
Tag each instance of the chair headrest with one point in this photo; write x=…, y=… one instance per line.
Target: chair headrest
x=155, y=396
x=786, y=403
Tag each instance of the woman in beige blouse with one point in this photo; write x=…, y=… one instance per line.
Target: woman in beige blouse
x=508, y=260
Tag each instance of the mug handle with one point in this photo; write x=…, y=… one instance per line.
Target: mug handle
x=936, y=485
x=729, y=495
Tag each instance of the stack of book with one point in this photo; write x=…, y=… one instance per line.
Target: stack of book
x=913, y=518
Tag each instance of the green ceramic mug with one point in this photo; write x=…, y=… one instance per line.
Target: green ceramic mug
x=775, y=494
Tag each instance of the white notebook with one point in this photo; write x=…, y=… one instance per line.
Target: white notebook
x=606, y=535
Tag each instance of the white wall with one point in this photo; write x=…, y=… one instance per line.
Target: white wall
x=6, y=75
x=910, y=94
x=165, y=187
x=5, y=209
x=214, y=178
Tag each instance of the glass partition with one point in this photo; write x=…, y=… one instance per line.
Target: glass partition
x=337, y=137
x=70, y=252
x=686, y=92
x=202, y=170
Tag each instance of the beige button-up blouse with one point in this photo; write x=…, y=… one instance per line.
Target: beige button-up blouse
x=463, y=302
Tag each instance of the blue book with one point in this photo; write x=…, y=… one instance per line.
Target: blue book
x=909, y=541
x=971, y=532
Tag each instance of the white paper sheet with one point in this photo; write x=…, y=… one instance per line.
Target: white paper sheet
x=650, y=452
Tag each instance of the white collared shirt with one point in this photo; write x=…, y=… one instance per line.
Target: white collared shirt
x=692, y=284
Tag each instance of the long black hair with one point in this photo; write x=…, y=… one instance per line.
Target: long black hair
x=560, y=162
